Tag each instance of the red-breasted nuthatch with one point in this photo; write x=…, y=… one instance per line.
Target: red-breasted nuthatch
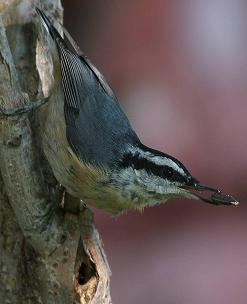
x=93, y=150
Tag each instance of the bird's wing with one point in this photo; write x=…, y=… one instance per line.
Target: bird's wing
x=97, y=128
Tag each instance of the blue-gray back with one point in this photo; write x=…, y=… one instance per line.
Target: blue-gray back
x=97, y=128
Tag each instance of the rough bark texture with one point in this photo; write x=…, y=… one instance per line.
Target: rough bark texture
x=47, y=255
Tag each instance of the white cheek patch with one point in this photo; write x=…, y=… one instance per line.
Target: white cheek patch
x=137, y=173
x=129, y=175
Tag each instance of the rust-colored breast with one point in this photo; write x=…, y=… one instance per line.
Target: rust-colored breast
x=75, y=176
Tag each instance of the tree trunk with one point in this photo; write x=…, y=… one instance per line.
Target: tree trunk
x=50, y=250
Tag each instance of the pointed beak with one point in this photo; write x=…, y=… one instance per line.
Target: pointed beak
x=210, y=195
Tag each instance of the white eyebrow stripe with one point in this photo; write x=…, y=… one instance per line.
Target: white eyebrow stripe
x=161, y=161
x=158, y=160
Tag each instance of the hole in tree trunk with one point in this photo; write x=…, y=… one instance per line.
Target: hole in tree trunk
x=85, y=273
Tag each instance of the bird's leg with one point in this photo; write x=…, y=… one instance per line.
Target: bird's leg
x=25, y=108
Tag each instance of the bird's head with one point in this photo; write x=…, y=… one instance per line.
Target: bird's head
x=150, y=177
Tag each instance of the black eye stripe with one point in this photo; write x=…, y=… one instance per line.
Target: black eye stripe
x=168, y=171
x=138, y=163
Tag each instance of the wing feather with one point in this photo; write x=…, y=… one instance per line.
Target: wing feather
x=97, y=129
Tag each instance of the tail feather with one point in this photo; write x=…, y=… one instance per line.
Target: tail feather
x=50, y=28
x=70, y=45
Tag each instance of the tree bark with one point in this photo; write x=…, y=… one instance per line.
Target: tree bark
x=50, y=250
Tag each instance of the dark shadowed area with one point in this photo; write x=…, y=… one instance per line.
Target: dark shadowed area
x=179, y=70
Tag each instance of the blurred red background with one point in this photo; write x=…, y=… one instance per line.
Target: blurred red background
x=179, y=70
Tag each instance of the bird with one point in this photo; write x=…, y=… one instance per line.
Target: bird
x=92, y=148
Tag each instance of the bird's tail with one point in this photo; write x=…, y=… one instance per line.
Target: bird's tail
x=50, y=27
x=67, y=43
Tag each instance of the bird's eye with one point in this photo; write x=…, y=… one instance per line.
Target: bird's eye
x=168, y=171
